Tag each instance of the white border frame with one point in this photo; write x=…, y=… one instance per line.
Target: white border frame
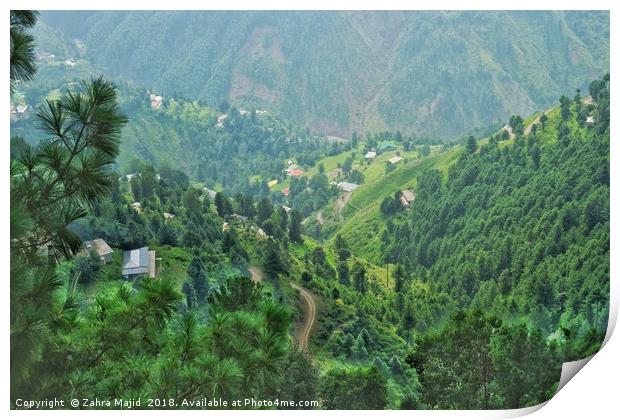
x=593, y=393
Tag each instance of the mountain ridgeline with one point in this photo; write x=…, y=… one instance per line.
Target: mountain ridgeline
x=429, y=73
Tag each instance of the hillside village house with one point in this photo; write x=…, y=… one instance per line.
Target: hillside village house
x=407, y=197
x=168, y=216
x=239, y=217
x=211, y=193
x=137, y=207
x=156, y=101
x=386, y=146
x=507, y=129
x=371, y=154
x=101, y=248
x=18, y=111
x=45, y=56
x=139, y=263
x=296, y=172
x=132, y=176
x=395, y=160
x=286, y=191
x=272, y=183
x=220, y=120
x=347, y=186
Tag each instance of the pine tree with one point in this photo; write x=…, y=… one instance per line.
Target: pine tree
x=273, y=265
x=359, y=277
x=197, y=273
x=190, y=294
x=294, y=230
x=565, y=107
x=471, y=145
x=301, y=381
x=401, y=279
x=53, y=185
x=408, y=321
x=543, y=119
x=223, y=204
x=396, y=366
x=342, y=248
x=359, y=351
x=343, y=273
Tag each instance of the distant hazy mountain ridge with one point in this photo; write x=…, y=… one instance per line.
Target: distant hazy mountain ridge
x=429, y=73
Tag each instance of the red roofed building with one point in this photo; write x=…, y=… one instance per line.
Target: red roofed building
x=286, y=191
x=296, y=172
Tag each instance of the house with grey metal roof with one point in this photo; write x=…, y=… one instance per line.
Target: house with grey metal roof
x=138, y=263
x=383, y=147
x=102, y=248
x=347, y=186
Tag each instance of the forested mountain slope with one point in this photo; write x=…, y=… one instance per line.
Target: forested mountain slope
x=432, y=73
x=522, y=229
x=230, y=148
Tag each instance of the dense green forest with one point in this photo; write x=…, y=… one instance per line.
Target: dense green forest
x=469, y=296
x=521, y=229
x=428, y=73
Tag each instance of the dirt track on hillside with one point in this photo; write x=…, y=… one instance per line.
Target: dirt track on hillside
x=309, y=307
x=309, y=315
x=340, y=203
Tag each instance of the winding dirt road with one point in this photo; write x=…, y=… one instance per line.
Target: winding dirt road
x=309, y=307
x=310, y=315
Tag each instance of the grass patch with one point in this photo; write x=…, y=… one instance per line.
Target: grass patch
x=363, y=219
x=173, y=264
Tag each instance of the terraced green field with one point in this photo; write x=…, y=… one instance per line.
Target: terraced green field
x=360, y=220
x=363, y=221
